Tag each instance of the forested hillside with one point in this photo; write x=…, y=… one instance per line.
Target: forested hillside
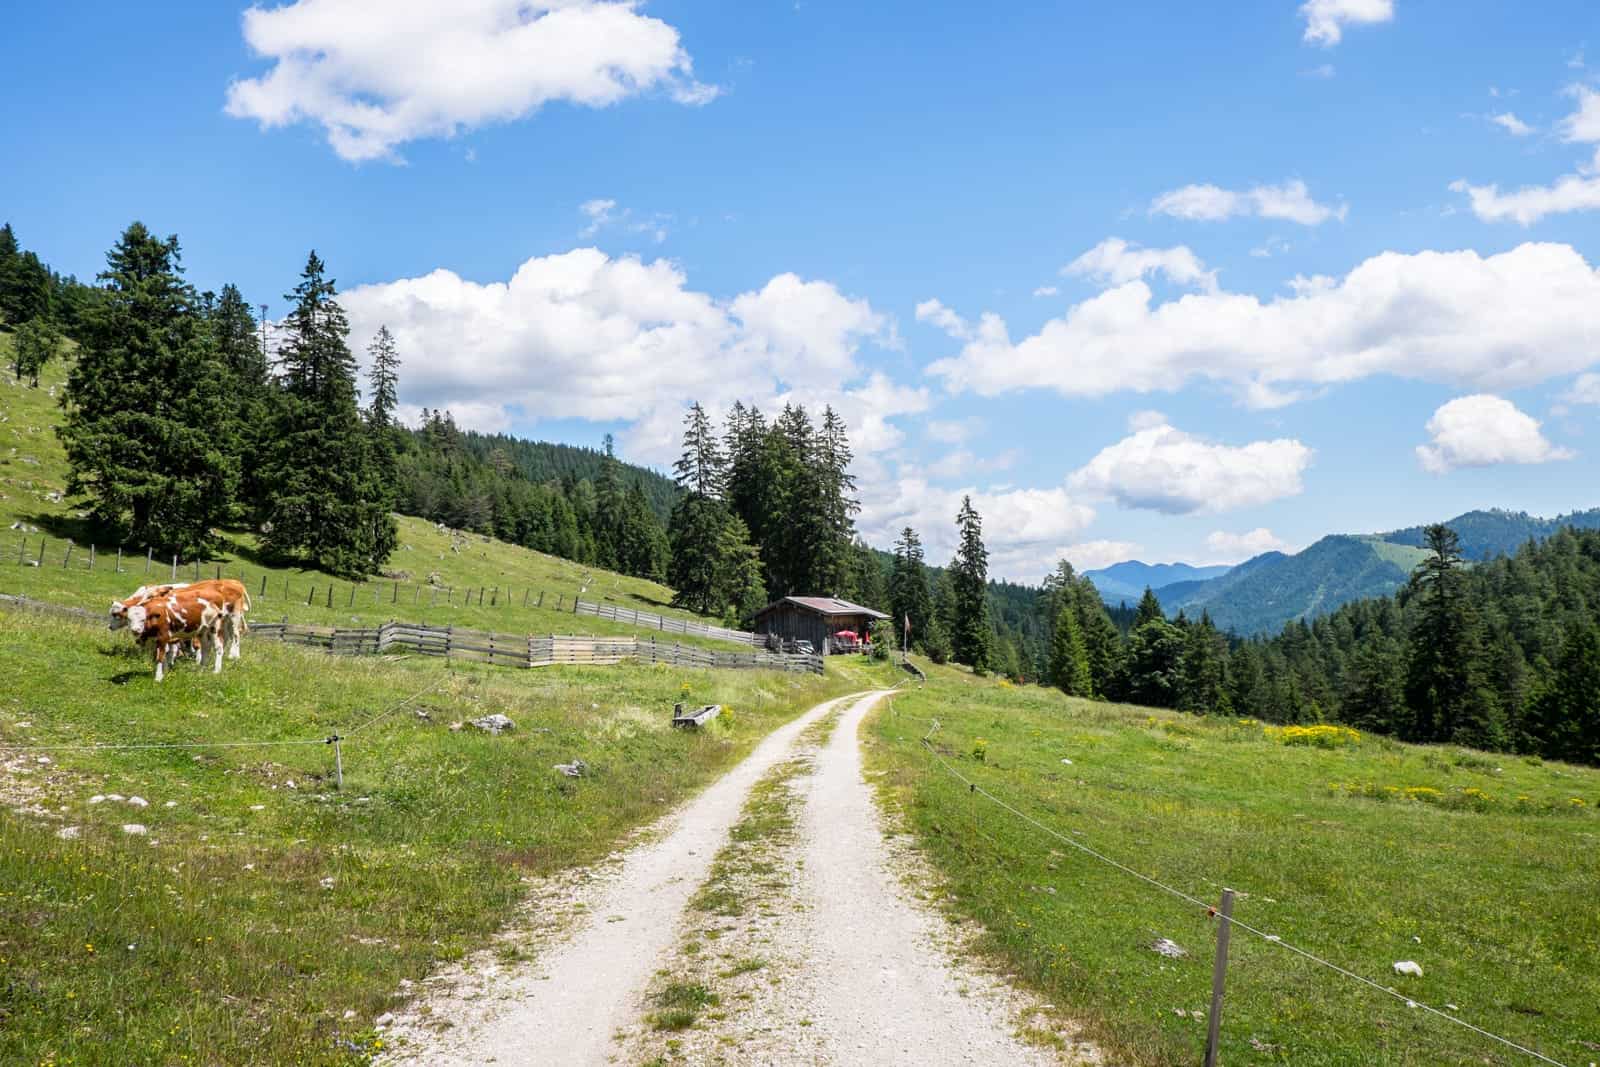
x=1497, y=532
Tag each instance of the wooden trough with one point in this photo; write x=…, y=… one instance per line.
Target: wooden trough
x=698, y=717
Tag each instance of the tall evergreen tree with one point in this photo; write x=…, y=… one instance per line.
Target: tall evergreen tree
x=1149, y=609
x=1445, y=686
x=971, y=631
x=1567, y=713
x=909, y=596
x=142, y=432
x=325, y=500
x=383, y=379
x=696, y=528
x=37, y=342
x=1069, y=657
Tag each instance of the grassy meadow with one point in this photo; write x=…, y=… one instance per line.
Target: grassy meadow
x=33, y=469
x=1484, y=869
x=261, y=905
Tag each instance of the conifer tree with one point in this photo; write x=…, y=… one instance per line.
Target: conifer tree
x=1069, y=658
x=37, y=342
x=383, y=380
x=324, y=494
x=696, y=529
x=238, y=347
x=1149, y=609
x=971, y=632
x=909, y=596
x=1445, y=686
x=141, y=431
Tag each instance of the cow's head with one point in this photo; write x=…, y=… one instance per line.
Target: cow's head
x=119, y=615
x=137, y=619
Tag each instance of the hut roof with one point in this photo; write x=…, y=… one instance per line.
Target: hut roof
x=824, y=605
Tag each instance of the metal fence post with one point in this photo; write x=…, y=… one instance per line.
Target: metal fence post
x=1219, y=971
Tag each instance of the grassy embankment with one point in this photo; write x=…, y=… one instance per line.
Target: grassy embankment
x=33, y=467
x=1483, y=868
x=261, y=904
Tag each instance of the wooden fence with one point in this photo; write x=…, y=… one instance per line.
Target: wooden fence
x=530, y=650
x=663, y=624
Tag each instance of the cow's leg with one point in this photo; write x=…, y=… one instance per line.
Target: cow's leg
x=214, y=631
x=198, y=647
x=161, y=658
x=235, y=633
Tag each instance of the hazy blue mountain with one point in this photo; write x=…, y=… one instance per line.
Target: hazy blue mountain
x=1128, y=580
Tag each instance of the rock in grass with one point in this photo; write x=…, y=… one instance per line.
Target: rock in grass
x=1411, y=967
x=1168, y=948
x=134, y=828
x=576, y=769
x=67, y=833
x=494, y=724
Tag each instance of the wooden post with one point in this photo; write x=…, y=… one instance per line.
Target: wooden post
x=525, y=593
x=559, y=598
x=416, y=594
x=264, y=587
x=219, y=572
x=352, y=596
x=119, y=559
x=574, y=605
x=174, y=566
x=396, y=598
x=22, y=550
x=330, y=594
x=338, y=759
x=480, y=596
x=541, y=599
x=310, y=594
x=197, y=570
x=286, y=587
x=149, y=557
x=1219, y=971
x=494, y=597
x=68, y=556
x=91, y=555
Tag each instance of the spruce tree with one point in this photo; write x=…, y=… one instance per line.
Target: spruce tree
x=971, y=631
x=1445, y=686
x=696, y=528
x=1102, y=642
x=325, y=501
x=142, y=430
x=238, y=346
x=909, y=596
x=36, y=343
x=383, y=380
x=1069, y=658
x=1149, y=609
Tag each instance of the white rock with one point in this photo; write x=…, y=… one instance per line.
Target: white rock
x=45, y=760
x=1067, y=762
x=97, y=799
x=326, y=883
x=1169, y=948
x=249, y=866
x=385, y=1019
x=494, y=724
x=67, y=833
x=134, y=828
x=1411, y=967
x=170, y=804
x=350, y=1013
x=258, y=807
x=138, y=802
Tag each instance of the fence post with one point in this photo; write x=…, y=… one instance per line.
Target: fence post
x=395, y=599
x=174, y=566
x=574, y=605
x=149, y=557
x=1219, y=971
x=68, y=556
x=559, y=598
x=22, y=550
x=330, y=594
x=311, y=593
x=91, y=555
x=219, y=572
x=119, y=559
x=352, y=596
x=541, y=599
x=338, y=760
x=494, y=597
x=264, y=587
x=197, y=570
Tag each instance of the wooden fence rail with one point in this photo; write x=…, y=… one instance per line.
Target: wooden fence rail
x=526, y=650
x=662, y=623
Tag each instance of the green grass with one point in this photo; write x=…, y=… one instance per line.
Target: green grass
x=33, y=468
x=679, y=1005
x=212, y=938
x=1488, y=861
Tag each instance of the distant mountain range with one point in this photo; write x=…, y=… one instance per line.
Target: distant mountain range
x=1261, y=594
x=1128, y=580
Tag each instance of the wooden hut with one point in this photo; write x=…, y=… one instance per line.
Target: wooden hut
x=815, y=619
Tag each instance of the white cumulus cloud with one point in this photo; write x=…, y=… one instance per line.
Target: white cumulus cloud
x=376, y=75
x=1290, y=201
x=1116, y=262
x=1162, y=468
x=1482, y=431
x=1326, y=19
x=1225, y=547
x=1579, y=191
x=584, y=335
x=1482, y=322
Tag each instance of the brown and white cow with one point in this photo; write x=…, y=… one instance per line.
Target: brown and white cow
x=229, y=595
x=179, y=616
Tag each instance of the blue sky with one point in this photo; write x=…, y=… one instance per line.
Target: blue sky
x=1175, y=281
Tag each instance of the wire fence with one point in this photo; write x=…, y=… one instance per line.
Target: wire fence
x=975, y=789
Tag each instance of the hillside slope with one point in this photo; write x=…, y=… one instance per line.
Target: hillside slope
x=1262, y=594
x=427, y=579
x=1487, y=534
